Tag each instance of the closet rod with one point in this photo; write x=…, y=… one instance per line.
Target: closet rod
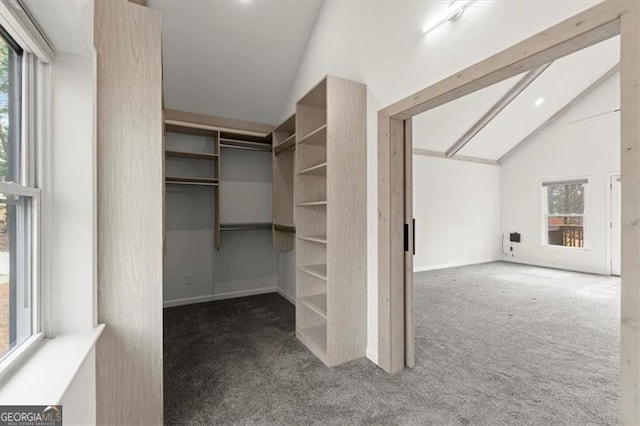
x=244, y=226
x=190, y=183
x=265, y=149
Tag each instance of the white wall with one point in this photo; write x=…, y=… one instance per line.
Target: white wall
x=246, y=263
x=381, y=44
x=72, y=207
x=456, y=205
x=589, y=149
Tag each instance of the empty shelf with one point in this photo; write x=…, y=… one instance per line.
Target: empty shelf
x=318, y=136
x=317, y=303
x=318, y=271
x=322, y=239
x=196, y=155
x=284, y=227
x=286, y=144
x=191, y=181
x=244, y=226
x=312, y=203
x=317, y=170
x=316, y=340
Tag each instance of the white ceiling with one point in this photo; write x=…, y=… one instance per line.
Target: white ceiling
x=250, y=49
x=566, y=78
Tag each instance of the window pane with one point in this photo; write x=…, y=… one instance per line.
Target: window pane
x=567, y=231
x=566, y=199
x=10, y=95
x=15, y=271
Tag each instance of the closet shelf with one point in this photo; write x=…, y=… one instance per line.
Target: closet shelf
x=195, y=155
x=191, y=181
x=318, y=271
x=284, y=227
x=244, y=226
x=312, y=203
x=321, y=239
x=317, y=170
x=288, y=143
x=317, y=303
x=317, y=136
x=241, y=144
x=315, y=338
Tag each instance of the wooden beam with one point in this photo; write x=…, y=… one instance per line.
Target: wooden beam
x=562, y=111
x=493, y=112
x=438, y=154
x=209, y=122
x=630, y=181
x=594, y=25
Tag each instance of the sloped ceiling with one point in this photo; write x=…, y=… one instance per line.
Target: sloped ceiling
x=250, y=49
x=566, y=78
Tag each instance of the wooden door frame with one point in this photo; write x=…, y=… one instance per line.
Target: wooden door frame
x=601, y=22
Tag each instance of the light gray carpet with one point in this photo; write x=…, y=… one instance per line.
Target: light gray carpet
x=497, y=344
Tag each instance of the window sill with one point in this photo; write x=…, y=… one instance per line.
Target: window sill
x=45, y=377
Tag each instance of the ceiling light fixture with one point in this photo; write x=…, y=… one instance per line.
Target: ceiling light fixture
x=452, y=14
x=539, y=102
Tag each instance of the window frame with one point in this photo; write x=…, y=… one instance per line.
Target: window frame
x=546, y=215
x=34, y=166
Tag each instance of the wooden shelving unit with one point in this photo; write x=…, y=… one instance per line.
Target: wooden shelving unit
x=284, y=144
x=194, y=155
x=224, y=133
x=330, y=199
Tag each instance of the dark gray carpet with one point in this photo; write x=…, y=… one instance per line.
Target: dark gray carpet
x=497, y=344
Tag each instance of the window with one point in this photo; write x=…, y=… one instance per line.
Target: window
x=564, y=215
x=18, y=200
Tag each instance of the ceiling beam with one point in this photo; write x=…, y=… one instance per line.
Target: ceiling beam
x=496, y=109
x=438, y=154
x=586, y=92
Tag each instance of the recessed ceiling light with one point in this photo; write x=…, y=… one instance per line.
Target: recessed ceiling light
x=539, y=102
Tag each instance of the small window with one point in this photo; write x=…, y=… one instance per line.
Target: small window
x=564, y=215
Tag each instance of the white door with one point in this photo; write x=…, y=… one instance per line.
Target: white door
x=615, y=225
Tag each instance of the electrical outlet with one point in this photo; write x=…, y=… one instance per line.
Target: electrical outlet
x=188, y=279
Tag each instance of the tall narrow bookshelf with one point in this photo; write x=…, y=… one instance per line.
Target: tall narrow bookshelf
x=284, y=144
x=330, y=196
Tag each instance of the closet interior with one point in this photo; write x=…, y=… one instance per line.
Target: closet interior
x=297, y=186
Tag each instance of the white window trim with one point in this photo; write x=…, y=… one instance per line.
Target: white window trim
x=35, y=87
x=544, y=234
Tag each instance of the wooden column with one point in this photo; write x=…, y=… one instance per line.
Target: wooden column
x=130, y=215
x=630, y=174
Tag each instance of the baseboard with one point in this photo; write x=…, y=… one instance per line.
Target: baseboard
x=454, y=265
x=373, y=356
x=552, y=266
x=221, y=296
x=287, y=296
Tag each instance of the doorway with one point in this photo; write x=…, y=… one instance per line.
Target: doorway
x=395, y=285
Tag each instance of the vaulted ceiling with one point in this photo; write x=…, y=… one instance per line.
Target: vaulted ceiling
x=250, y=49
x=439, y=129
